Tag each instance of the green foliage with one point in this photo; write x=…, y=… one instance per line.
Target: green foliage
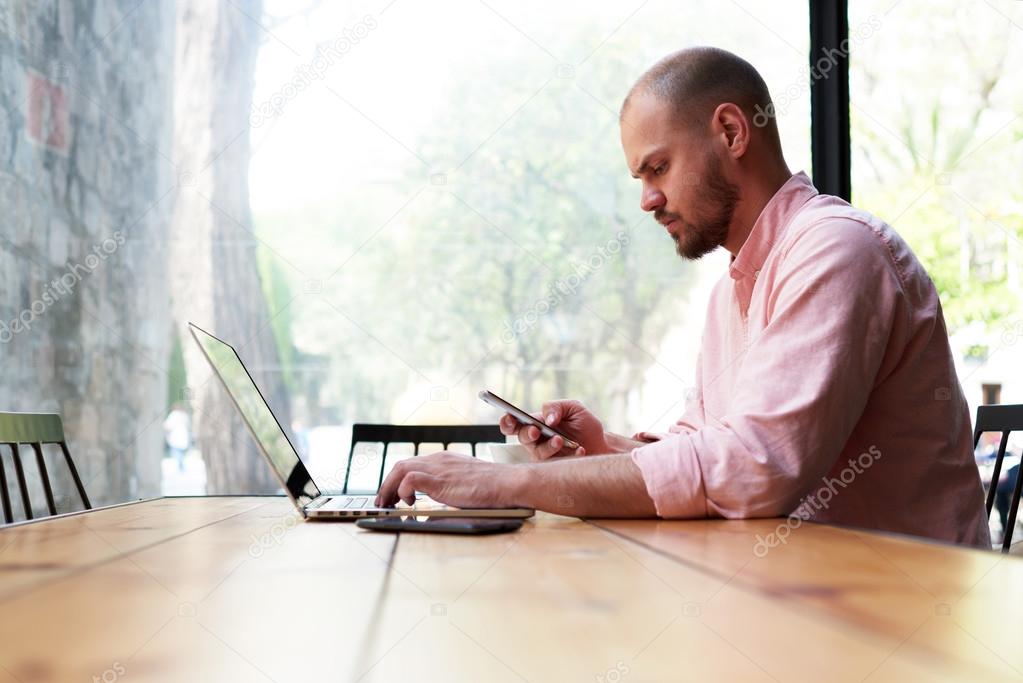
x=177, y=379
x=278, y=295
x=945, y=180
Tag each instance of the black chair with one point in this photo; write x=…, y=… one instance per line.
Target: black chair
x=419, y=434
x=34, y=429
x=1004, y=419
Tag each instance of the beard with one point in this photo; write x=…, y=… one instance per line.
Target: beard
x=703, y=235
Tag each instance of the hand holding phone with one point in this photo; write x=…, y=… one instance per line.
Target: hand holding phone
x=525, y=418
x=564, y=427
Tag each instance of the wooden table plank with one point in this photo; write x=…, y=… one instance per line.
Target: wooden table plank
x=567, y=601
x=940, y=607
x=39, y=551
x=256, y=596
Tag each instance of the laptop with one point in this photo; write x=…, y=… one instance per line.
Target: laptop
x=275, y=446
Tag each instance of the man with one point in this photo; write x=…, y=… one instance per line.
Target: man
x=826, y=386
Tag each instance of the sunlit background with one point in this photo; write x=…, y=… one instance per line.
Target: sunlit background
x=388, y=206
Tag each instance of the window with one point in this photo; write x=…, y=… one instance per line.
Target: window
x=385, y=206
x=937, y=140
x=453, y=211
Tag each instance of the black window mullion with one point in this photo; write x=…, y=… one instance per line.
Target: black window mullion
x=829, y=97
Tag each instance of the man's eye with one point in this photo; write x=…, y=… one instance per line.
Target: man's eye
x=660, y=169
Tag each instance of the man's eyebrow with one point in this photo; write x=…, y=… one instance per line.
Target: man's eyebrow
x=645, y=163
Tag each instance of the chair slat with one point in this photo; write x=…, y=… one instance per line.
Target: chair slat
x=31, y=428
x=5, y=496
x=1000, y=418
x=1005, y=419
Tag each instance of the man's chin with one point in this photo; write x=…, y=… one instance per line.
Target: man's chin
x=692, y=251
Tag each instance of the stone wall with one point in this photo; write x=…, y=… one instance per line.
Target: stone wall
x=87, y=188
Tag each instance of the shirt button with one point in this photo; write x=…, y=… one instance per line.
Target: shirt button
x=756, y=274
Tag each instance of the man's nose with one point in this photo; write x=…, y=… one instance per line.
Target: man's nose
x=652, y=199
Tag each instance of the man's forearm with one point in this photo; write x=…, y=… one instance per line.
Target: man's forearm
x=590, y=486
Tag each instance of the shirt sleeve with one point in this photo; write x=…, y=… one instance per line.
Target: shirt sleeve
x=803, y=384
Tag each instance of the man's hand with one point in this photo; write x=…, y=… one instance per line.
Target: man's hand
x=568, y=416
x=452, y=479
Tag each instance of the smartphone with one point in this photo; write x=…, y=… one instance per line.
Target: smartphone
x=525, y=418
x=442, y=525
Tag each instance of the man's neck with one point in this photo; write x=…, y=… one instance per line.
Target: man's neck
x=755, y=196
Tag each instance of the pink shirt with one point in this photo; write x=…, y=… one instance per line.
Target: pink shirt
x=825, y=386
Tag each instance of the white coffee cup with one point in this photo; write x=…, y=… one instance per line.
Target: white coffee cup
x=509, y=453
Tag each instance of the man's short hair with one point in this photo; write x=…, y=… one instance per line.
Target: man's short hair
x=697, y=79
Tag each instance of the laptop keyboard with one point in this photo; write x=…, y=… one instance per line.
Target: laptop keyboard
x=345, y=503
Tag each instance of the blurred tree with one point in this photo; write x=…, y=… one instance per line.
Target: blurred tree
x=525, y=267
x=943, y=181
x=217, y=284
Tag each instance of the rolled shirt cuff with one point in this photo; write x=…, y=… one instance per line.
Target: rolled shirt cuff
x=671, y=473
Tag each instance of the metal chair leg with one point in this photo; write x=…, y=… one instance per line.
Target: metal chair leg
x=348, y=467
x=4, y=494
x=45, y=477
x=383, y=463
x=997, y=471
x=74, y=475
x=19, y=470
x=1010, y=525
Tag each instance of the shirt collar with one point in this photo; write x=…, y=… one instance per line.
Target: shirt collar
x=770, y=225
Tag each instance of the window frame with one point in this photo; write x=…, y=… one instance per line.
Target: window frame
x=830, y=149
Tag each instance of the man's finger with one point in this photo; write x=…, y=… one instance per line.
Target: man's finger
x=551, y=413
x=509, y=425
x=415, y=481
x=529, y=435
x=386, y=493
x=550, y=448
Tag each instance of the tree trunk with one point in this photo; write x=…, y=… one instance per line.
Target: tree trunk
x=214, y=277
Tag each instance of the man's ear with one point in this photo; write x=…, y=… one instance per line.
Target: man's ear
x=730, y=123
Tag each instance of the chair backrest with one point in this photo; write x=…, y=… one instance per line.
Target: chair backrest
x=416, y=435
x=1005, y=419
x=35, y=430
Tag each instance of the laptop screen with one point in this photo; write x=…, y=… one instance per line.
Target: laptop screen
x=269, y=434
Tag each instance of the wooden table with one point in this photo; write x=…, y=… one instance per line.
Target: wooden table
x=236, y=589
